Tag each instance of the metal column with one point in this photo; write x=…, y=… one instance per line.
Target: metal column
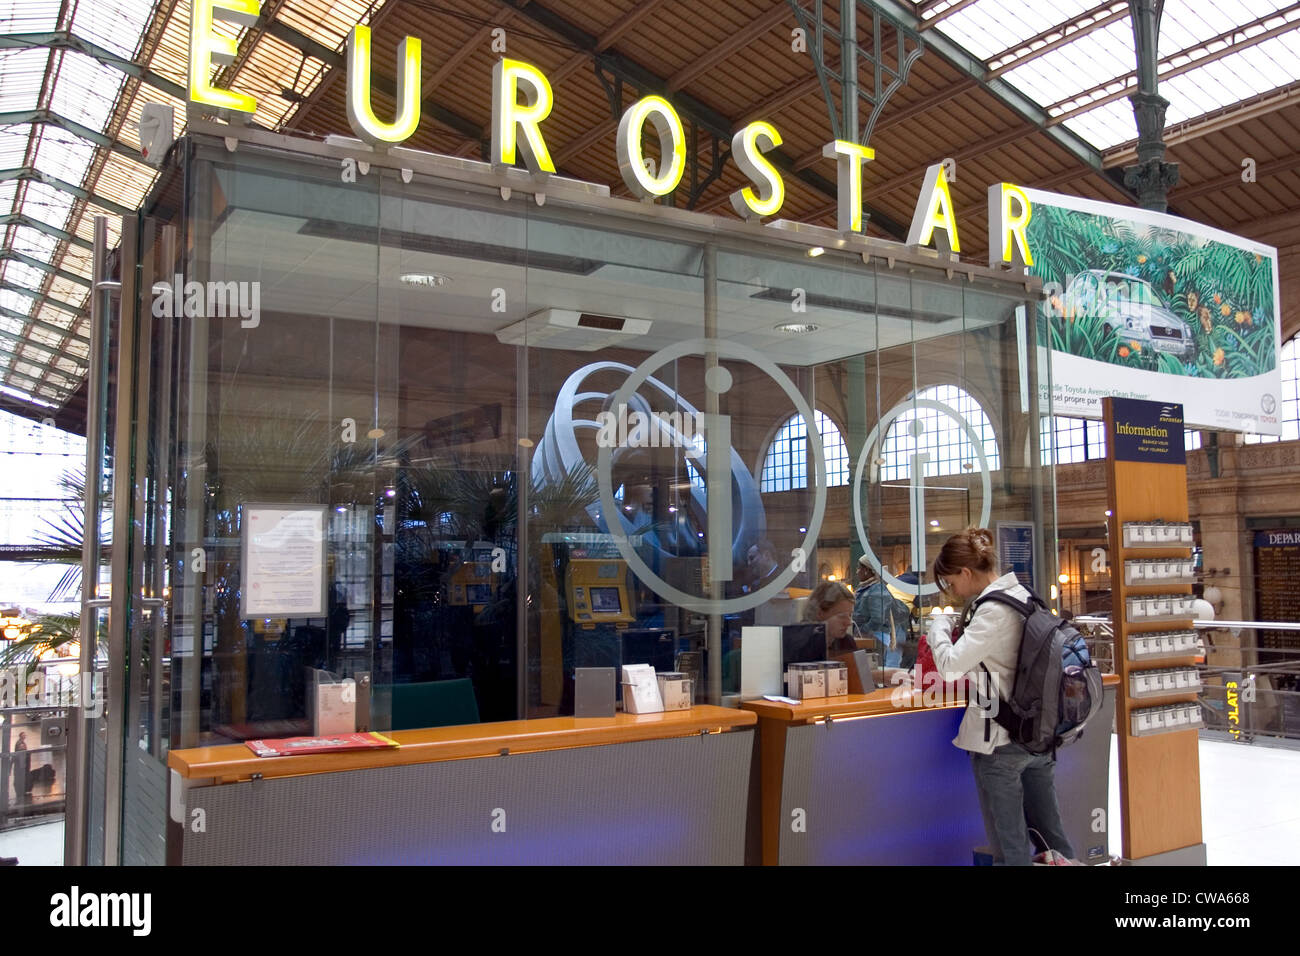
x=1152, y=177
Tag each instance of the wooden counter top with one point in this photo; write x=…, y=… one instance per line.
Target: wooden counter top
x=229, y=763
x=879, y=703
x=876, y=704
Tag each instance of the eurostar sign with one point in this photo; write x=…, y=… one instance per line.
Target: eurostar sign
x=522, y=99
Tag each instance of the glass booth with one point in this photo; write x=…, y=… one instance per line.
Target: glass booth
x=490, y=440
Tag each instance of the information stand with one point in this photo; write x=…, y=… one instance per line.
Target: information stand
x=1155, y=647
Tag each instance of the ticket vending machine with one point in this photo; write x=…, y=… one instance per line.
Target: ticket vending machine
x=597, y=592
x=472, y=585
x=600, y=607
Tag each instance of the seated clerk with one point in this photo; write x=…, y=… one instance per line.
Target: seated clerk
x=831, y=602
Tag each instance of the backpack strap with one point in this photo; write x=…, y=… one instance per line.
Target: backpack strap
x=999, y=596
x=1004, y=717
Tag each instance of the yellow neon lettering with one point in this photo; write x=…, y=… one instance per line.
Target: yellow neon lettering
x=510, y=117
x=767, y=201
x=850, y=158
x=206, y=47
x=1013, y=226
x=361, y=113
x=934, y=211
x=672, y=147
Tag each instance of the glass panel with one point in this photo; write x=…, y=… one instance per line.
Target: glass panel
x=543, y=438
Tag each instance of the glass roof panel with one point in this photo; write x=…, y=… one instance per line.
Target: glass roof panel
x=32, y=242
x=86, y=91
x=991, y=26
x=13, y=149
x=1105, y=126
x=63, y=155
x=22, y=274
x=47, y=204
x=29, y=16
x=15, y=301
x=1102, y=62
x=21, y=73
x=1055, y=76
x=115, y=24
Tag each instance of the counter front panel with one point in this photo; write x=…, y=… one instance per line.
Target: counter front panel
x=672, y=800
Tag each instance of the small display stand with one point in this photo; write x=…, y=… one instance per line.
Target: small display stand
x=1155, y=648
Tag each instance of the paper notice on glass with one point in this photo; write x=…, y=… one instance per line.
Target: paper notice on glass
x=283, y=572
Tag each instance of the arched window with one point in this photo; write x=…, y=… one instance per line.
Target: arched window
x=1077, y=439
x=1290, y=408
x=1081, y=439
x=785, y=466
x=940, y=436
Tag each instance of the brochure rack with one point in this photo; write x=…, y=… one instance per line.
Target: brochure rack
x=1157, y=713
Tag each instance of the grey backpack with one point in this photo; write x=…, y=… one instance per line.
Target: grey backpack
x=1057, y=687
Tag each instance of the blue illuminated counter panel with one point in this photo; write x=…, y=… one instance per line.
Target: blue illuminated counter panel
x=874, y=779
x=667, y=788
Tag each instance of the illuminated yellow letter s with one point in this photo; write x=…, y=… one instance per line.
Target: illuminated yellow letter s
x=207, y=47
x=767, y=199
x=510, y=117
x=361, y=114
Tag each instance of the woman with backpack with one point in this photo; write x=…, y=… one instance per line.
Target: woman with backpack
x=1015, y=787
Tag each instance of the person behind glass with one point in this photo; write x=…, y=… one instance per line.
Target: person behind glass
x=1015, y=787
x=760, y=561
x=878, y=613
x=831, y=602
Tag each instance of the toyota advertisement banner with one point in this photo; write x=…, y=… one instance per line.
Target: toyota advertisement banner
x=1144, y=305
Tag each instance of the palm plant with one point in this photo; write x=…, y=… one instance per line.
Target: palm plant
x=48, y=633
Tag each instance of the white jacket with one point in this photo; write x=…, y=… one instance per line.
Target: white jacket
x=993, y=639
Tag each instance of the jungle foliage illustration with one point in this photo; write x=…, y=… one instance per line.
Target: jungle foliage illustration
x=1221, y=297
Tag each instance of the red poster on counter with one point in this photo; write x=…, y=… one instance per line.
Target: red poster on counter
x=288, y=746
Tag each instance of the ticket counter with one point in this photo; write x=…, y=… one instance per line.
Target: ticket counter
x=458, y=443
x=861, y=780
x=654, y=789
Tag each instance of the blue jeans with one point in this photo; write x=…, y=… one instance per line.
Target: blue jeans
x=891, y=654
x=1017, y=791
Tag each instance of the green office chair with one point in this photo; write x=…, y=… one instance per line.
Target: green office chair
x=440, y=703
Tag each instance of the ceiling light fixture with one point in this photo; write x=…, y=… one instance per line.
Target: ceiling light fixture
x=815, y=251
x=796, y=328
x=427, y=280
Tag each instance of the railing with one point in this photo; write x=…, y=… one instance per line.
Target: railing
x=1247, y=699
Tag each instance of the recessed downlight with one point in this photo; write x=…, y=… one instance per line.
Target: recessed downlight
x=815, y=251
x=796, y=328
x=425, y=280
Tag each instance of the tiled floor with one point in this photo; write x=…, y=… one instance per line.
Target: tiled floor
x=1249, y=811
x=40, y=845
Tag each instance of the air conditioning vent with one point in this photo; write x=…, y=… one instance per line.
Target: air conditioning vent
x=572, y=331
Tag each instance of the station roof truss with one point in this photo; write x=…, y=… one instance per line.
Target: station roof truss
x=1027, y=91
